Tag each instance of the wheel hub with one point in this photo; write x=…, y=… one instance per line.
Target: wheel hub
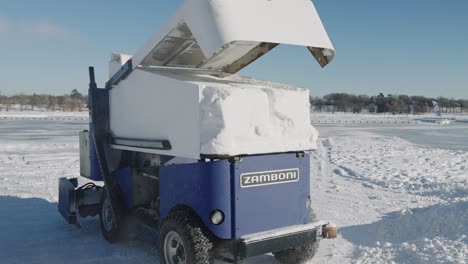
x=174, y=249
x=107, y=215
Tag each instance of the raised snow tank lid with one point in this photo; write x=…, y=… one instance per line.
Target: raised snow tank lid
x=227, y=35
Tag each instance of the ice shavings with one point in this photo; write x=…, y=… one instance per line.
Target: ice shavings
x=250, y=118
x=363, y=176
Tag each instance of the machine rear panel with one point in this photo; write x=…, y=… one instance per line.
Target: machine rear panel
x=268, y=201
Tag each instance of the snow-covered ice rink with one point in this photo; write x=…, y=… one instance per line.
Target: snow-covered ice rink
x=398, y=191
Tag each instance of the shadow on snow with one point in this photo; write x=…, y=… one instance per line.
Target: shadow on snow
x=33, y=231
x=449, y=221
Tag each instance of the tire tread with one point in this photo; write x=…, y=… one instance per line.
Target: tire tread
x=193, y=230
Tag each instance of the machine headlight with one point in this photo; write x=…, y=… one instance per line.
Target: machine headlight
x=217, y=217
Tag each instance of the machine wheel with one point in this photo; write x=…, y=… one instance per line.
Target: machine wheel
x=110, y=217
x=183, y=240
x=298, y=255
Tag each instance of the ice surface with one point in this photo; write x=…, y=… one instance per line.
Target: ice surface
x=360, y=180
x=42, y=115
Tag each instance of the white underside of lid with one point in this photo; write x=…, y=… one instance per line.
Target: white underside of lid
x=228, y=35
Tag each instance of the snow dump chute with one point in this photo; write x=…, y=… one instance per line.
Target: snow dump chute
x=226, y=36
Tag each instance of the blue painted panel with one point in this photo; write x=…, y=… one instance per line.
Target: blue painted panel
x=202, y=186
x=268, y=207
x=98, y=127
x=94, y=163
x=124, y=178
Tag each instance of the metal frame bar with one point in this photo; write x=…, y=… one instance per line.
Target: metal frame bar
x=121, y=74
x=141, y=143
x=217, y=73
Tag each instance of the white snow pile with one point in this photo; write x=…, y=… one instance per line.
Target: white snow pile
x=246, y=116
x=437, y=234
x=394, y=201
x=396, y=164
x=207, y=115
x=436, y=250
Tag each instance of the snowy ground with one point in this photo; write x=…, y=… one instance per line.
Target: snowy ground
x=44, y=115
x=394, y=200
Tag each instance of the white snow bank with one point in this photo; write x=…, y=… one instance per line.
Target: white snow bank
x=436, y=250
x=441, y=220
x=396, y=164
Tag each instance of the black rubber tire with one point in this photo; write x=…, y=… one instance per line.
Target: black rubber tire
x=298, y=255
x=112, y=234
x=196, y=240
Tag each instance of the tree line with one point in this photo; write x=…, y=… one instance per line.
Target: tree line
x=395, y=104
x=335, y=102
x=75, y=101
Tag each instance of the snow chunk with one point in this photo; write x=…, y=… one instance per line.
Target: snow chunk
x=205, y=115
x=249, y=119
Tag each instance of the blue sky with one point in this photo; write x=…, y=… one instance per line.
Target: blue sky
x=417, y=47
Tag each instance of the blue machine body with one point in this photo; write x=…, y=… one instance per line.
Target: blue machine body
x=202, y=186
x=272, y=206
x=216, y=185
x=94, y=164
x=234, y=197
x=124, y=178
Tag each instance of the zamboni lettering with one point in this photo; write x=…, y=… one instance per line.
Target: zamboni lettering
x=269, y=177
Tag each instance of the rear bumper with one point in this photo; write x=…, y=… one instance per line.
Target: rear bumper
x=67, y=200
x=281, y=239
